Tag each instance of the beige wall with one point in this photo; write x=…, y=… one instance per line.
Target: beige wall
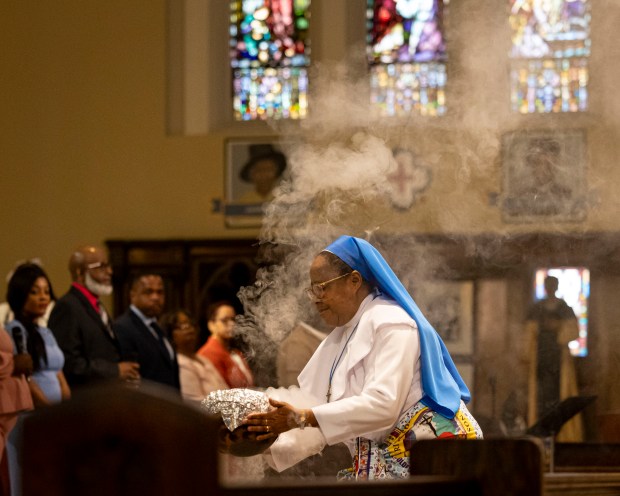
x=86, y=157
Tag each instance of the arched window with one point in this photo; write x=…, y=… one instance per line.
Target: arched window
x=407, y=55
x=269, y=57
x=549, y=55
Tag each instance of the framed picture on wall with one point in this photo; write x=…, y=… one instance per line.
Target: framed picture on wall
x=449, y=307
x=544, y=176
x=254, y=168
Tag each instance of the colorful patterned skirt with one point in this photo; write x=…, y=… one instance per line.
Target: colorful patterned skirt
x=390, y=459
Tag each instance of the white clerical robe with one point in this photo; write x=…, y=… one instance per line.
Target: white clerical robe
x=374, y=382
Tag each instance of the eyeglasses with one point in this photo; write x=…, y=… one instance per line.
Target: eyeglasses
x=317, y=290
x=99, y=265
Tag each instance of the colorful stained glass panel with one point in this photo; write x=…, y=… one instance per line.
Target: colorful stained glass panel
x=399, y=89
x=550, y=50
x=574, y=289
x=269, y=57
x=270, y=93
x=407, y=52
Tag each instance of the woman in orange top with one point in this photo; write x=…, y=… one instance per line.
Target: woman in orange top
x=229, y=361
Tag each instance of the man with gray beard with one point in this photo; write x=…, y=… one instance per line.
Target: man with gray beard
x=82, y=326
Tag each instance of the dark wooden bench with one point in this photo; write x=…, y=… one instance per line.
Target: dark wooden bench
x=582, y=483
x=507, y=467
x=587, y=457
x=584, y=469
x=424, y=485
x=117, y=441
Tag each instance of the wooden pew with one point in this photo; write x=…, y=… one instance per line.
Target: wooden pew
x=514, y=466
x=582, y=483
x=420, y=486
x=507, y=467
x=583, y=469
x=116, y=441
x=587, y=457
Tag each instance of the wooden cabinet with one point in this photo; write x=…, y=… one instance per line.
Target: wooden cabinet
x=195, y=272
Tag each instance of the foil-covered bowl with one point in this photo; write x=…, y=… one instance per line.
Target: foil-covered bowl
x=233, y=405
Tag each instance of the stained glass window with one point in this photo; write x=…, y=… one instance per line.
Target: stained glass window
x=574, y=289
x=407, y=55
x=550, y=49
x=269, y=57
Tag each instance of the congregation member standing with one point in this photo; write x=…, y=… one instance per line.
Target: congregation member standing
x=82, y=326
x=29, y=294
x=15, y=396
x=219, y=348
x=198, y=376
x=6, y=314
x=140, y=335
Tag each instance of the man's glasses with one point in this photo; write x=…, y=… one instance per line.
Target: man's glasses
x=316, y=291
x=99, y=265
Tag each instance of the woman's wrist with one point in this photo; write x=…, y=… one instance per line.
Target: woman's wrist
x=301, y=419
x=305, y=418
x=311, y=419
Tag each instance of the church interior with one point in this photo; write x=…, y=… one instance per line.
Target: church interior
x=120, y=130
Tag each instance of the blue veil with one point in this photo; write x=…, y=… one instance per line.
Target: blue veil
x=441, y=382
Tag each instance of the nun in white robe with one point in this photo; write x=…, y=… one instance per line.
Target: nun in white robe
x=376, y=383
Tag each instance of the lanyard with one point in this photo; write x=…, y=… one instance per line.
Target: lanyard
x=336, y=363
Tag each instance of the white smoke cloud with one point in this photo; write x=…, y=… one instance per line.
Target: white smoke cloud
x=339, y=161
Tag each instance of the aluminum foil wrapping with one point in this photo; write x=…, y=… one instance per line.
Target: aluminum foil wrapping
x=235, y=404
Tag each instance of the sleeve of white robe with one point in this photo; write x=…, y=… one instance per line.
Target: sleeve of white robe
x=295, y=445
x=388, y=374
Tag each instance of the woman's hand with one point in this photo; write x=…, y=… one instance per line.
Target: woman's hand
x=65, y=391
x=240, y=442
x=22, y=364
x=38, y=397
x=283, y=417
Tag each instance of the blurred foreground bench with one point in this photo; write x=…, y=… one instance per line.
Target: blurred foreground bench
x=122, y=442
x=513, y=467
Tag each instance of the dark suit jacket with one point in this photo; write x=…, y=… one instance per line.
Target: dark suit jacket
x=137, y=341
x=91, y=353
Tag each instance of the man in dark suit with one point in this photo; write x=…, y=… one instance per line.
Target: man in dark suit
x=140, y=335
x=81, y=324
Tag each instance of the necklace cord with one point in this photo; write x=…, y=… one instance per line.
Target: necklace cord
x=337, y=362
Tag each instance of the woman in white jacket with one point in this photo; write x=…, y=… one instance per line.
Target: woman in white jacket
x=197, y=375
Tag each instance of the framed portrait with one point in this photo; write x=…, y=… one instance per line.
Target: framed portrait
x=449, y=307
x=544, y=176
x=254, y=168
